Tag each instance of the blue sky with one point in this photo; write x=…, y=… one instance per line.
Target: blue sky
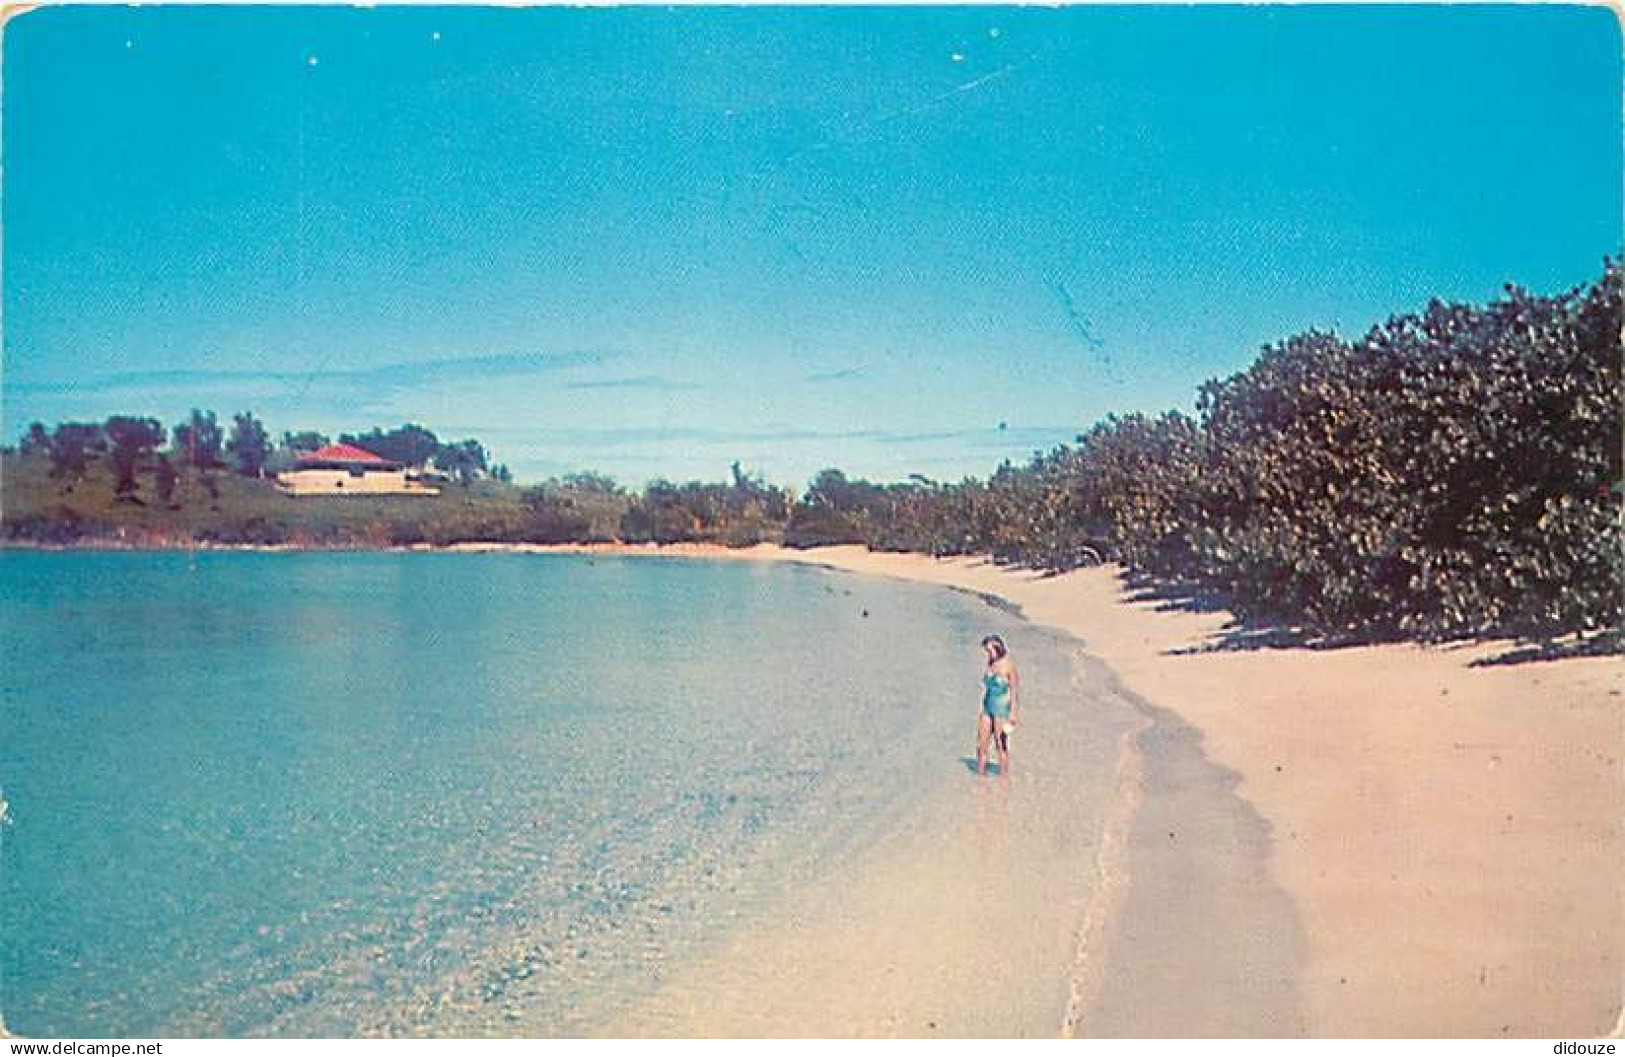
x=651, y=242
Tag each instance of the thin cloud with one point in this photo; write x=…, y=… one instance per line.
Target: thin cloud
x=463, y=368
x=388, y=376
x=842, y=375
x=647, y=383
x=145, y=380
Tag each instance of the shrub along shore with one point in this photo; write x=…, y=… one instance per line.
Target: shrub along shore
x=1454, y=472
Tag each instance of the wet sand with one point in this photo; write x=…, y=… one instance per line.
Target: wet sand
x=1202, y=943
x=1446, y=833
x=988, y=912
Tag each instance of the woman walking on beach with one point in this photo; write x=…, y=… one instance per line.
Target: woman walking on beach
x=1001, y=705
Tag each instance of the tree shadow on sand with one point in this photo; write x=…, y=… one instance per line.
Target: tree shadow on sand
x=1242, y=635
x=1530, y=651
x=1239, y=634
x=1166, y=596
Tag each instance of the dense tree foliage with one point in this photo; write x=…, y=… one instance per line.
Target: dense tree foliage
x=73, y=444
x=303, y=441
x=1449, y=473
x=414, y=445
x=36, y=441
x=131, y=440
x=199, y=442
x=465, y=460
x=742, y=512
x=577, y=508
x=285, y=454
x=1453, y=472
x=410, y=444
x=249, y=445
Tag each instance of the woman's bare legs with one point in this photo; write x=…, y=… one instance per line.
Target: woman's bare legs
x=1002, y=740
x=984, y=732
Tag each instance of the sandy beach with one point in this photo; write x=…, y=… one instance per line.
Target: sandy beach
x=1448, y=832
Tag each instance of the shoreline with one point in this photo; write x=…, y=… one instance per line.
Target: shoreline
x=967, y=915
x=1448, y=834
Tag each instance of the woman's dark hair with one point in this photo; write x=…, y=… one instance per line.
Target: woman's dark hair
x=998, y=645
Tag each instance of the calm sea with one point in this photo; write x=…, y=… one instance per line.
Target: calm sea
x=338, y=794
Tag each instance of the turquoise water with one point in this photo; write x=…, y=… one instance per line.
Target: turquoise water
x=340, y=794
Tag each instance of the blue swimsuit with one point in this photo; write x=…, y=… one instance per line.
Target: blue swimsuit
x=996, y=695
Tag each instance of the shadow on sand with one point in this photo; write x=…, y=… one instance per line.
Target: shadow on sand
x=1177, y=596
x=1246, y=635
x=1610, y=643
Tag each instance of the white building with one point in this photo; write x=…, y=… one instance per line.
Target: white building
x=344, y=469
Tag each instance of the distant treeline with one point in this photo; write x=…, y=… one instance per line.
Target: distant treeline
x=134, y=444
x=1453, y=472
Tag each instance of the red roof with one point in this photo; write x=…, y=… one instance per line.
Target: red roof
x=344, y=453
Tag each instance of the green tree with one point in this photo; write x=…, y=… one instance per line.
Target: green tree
x=72, y=446
x=286, y=455
x=36, y=441
x=249, y=446
x=303, y=441
x=465, y=459
x=740, y=513
x=576, y=508
x=836, y=509
x=410, y=444
x=664, y=513
x=132, y=440
x=199, y=441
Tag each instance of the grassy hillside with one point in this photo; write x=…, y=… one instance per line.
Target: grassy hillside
x=36, y=506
